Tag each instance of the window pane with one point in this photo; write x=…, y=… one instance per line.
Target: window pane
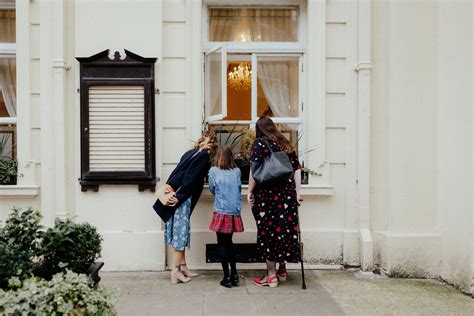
x=291, y=132
x=7, y=141
x=7, y=26
x=7, y=87
x=214, y=83
x=253, y=25
x=278, y=82
x=239, y=87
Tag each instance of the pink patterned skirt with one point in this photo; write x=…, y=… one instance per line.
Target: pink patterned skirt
x=226, y=224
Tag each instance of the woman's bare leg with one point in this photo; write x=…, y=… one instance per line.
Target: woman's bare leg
x=178, y=259
x=183, y=259
x=271, y=268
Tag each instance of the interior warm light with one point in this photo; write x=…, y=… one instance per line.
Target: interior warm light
x=240, y=78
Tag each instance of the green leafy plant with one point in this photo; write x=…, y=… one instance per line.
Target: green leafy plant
x=21, y=229
x=66, y=293
x=13, y=263
x=69, y=245
x=18, y=244
x=8, y=166
x=8, y=171
x=311, y=172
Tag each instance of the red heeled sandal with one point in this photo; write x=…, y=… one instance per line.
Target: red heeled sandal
x=266, y=281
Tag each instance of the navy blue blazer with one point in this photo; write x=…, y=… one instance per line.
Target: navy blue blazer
x=188, y=180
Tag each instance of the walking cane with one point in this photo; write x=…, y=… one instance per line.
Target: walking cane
x=303, y=285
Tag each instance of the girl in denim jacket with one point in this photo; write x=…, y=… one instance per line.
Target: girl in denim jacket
x=225, y=184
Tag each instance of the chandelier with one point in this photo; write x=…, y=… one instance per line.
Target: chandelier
x=240, y=78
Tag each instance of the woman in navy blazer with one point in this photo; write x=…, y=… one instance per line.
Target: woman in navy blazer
x=187, y=180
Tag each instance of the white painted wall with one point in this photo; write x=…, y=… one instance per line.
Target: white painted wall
x=404, y=136
x=132, y=232
x=421, y=141
x=455, y=141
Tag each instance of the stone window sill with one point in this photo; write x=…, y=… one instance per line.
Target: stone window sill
x=306, y=190
x=19, y=191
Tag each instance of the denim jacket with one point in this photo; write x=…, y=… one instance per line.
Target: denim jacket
x=226, y=187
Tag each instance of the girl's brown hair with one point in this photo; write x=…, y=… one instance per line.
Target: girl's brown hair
x=208, y=141
x=224, y=158
x=265, y=128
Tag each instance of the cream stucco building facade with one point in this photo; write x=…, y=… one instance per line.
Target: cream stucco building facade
x=388, y=106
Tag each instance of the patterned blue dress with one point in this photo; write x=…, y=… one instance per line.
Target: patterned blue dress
x=178, y=228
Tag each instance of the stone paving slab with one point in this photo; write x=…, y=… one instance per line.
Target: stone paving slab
x=328, y=293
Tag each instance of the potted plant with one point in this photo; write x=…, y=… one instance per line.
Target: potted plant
x=242, y=155
x=71, y=246
x=8, y=165
x=26, y=248
x=18, y=244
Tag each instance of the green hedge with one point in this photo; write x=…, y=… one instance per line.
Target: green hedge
x=67, y=293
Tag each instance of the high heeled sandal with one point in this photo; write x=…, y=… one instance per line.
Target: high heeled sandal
x=282, y=275
x=179, y=277
x=187, y=272
x=266, y=281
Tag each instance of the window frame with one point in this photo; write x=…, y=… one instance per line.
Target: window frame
x=255, y=49
x=8, y=50
x=257, y=46
x=132, y=70
x=223, y=114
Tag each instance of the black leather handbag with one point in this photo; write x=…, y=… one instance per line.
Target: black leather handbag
x=274, y=168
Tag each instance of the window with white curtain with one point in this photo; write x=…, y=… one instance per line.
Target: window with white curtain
x=7, y=81
x=253, y=24
x=253, y=67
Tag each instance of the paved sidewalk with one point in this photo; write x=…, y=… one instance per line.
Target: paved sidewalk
x=328, y=293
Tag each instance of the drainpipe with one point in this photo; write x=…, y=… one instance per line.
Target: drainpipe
x=363, y=69
x=60, y=67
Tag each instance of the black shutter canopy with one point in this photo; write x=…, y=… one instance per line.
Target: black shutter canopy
x=132, y=71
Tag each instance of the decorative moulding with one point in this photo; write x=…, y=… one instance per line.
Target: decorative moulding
x=25, y=191
x=306, y=190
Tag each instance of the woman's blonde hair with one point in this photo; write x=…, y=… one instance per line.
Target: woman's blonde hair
x=208, y=141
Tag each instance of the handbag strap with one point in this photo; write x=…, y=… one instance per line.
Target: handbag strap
x=188, y=160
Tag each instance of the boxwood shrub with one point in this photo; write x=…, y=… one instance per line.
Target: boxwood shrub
x=69, y=245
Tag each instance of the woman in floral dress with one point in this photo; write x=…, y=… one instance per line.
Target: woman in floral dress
x=275, y=206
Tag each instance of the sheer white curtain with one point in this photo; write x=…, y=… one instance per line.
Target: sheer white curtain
x=8, y=84
x=279, y=82
x=253, y=25
x=221, y=26
x=8, y=65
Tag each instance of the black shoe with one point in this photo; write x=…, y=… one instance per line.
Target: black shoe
x=227, y=282
x=235, y=279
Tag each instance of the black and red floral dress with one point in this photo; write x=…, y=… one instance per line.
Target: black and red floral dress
x=276, y=211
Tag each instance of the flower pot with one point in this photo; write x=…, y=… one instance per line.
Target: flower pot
x=245, y=173
x=93, y=272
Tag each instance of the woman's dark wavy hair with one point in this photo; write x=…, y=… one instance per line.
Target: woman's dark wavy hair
x=265, y=128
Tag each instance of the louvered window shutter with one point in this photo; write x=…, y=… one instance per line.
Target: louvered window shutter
x=117, y=121
x=116, y=128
